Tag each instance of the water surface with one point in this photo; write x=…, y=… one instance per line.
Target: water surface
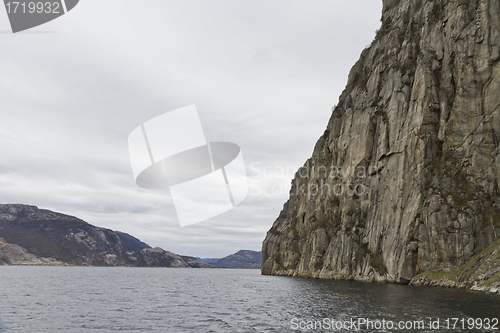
x=94, y=299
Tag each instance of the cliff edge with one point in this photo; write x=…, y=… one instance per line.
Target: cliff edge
x=405, y=178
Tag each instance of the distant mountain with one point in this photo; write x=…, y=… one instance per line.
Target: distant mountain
x=33, y=236
x=241, y=259
x=208, y=260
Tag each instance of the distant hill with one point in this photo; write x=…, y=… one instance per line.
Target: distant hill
x=33, y=236
x=208, y=260
x=195, y=262
x=241, y=259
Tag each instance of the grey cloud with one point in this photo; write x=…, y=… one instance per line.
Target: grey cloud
x=263, y=74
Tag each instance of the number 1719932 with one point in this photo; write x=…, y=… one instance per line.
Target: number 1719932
x=32, y=7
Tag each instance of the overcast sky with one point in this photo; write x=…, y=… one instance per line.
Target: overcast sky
x=262, y=74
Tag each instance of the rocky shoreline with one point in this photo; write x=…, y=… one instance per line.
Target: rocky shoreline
x=445, y=283
x=481, y=273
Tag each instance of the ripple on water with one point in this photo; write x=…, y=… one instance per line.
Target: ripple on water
x=91, y=299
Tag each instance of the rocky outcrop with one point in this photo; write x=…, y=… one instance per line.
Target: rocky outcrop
x=405, y=178
x=33, y=236
x=481, y=273
x=245, y=259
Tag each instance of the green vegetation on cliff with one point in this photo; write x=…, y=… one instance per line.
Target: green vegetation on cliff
x=482, y=273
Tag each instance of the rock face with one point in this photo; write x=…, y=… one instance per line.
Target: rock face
x=242, y=259
x=41, y=237
x=481, y=273
x=405, y=178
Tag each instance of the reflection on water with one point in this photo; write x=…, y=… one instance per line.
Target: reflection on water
x=91, y=299
x=344, y=300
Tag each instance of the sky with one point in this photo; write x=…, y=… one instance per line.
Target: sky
x=262, y=74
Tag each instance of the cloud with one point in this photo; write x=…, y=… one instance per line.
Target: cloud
x=263, y=74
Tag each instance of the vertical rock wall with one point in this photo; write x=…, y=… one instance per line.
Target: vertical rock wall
x=406, y=176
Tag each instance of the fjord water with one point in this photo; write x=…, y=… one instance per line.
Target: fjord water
x=94, y=299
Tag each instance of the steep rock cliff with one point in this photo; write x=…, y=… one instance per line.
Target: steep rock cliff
x=405, y=178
